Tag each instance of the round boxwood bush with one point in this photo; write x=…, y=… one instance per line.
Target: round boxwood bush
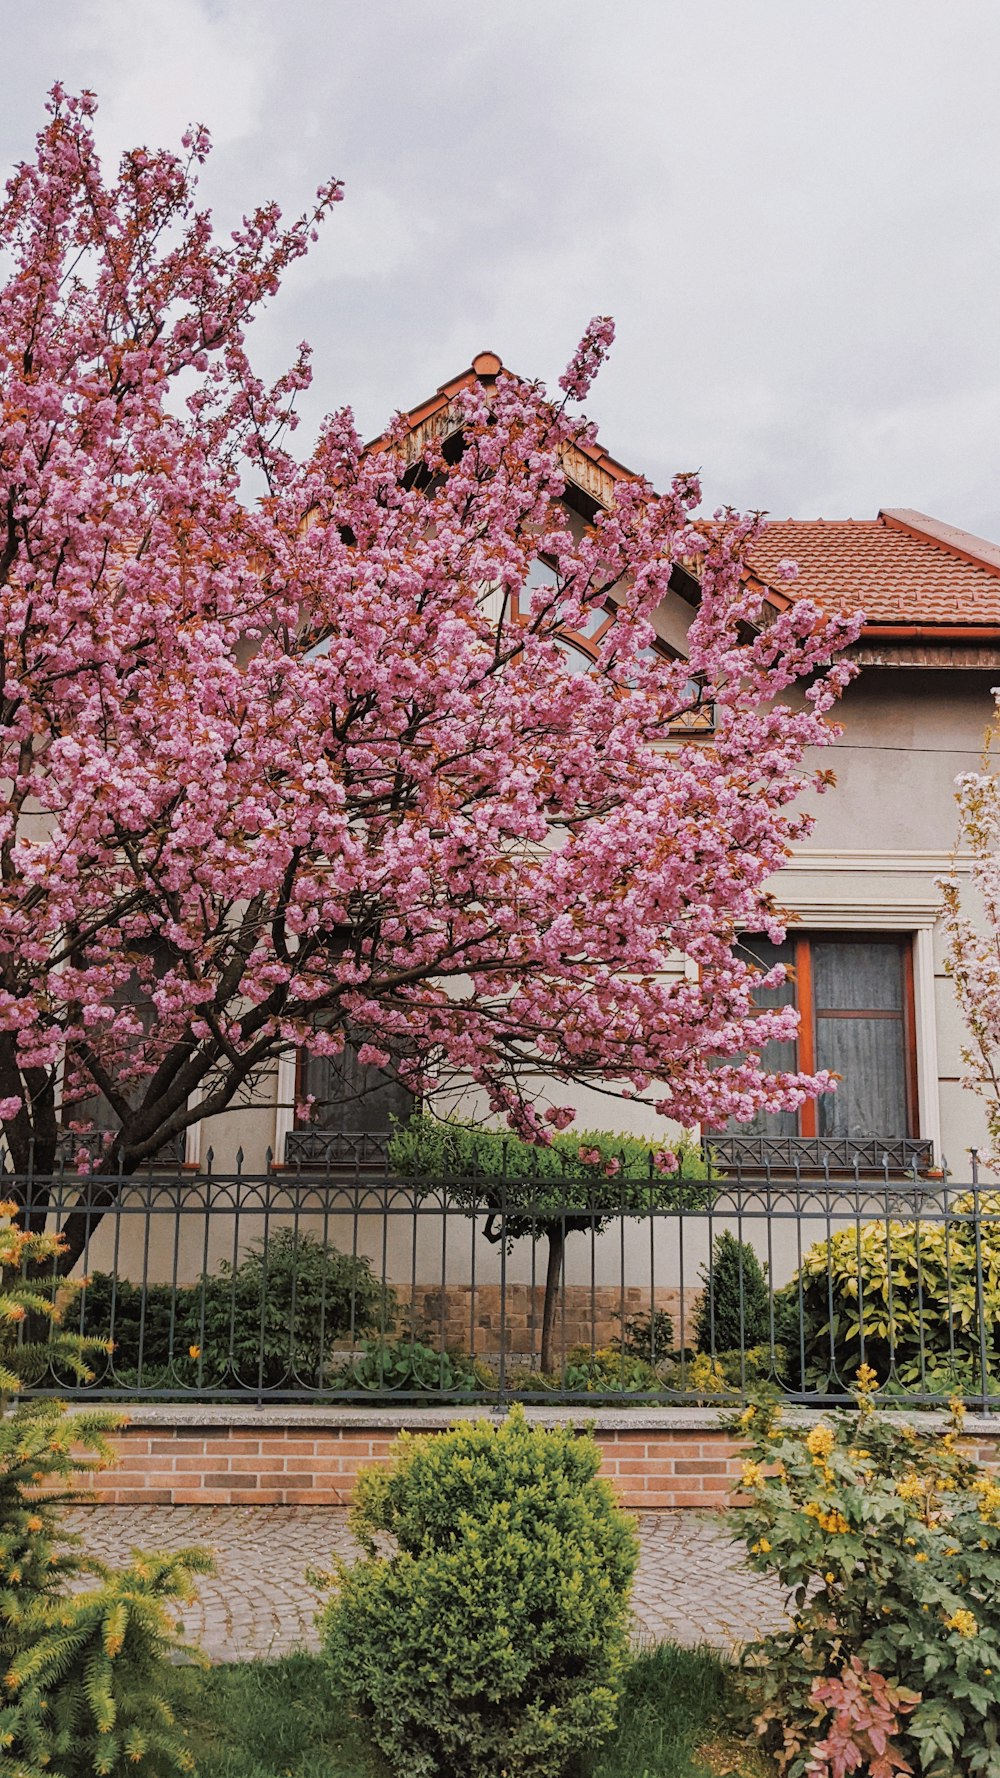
x=492, y=1636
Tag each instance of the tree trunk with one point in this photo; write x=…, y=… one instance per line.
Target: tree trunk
x=84, y=1219
x=553, y=1278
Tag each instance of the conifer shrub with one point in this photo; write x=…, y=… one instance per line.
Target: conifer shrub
x=83, y=1675
x=89, y=1677
x=492, y=1636
x=733, y=1312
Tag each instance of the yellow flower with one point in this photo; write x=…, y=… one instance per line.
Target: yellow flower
x=866, y=1387
x=829, y=1577
x=760, y=1548
x=909, y=1487
x=747, y=1416
x=921, y=1556
x=753, y=1475
x=194, y=1351
x=962, y=1621
x=820, y=1441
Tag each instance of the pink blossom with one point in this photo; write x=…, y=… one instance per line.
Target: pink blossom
x=370, y=1056
x=278, y=772
x=665, y=1160
x=786, y=570
x=560, y=1116
x=588, y=357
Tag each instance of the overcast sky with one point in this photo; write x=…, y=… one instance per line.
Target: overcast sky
x=791, y=207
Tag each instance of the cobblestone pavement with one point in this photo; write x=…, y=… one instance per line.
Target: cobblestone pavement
x=691, y=1585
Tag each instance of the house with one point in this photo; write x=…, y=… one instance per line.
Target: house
x=869, y=973
x=869, y=978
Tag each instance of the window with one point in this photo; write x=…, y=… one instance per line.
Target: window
x=134, y=992
x=351, y=1100
x=854, y=993
x=579, y=647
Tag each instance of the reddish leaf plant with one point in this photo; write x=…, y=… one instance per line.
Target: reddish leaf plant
x=863, y=1712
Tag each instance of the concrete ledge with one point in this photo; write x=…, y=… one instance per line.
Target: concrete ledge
x=352, y=1416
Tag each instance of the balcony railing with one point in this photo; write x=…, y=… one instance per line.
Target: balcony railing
x=794, y=1155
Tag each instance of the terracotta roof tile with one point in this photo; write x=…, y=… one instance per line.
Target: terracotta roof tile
x=901, y=567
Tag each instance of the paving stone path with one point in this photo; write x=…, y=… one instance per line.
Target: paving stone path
x=691, y=1584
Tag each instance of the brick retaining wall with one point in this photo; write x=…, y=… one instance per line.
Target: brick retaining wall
x=185, y=1456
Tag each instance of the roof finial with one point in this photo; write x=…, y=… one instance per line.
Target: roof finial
x=487, y=364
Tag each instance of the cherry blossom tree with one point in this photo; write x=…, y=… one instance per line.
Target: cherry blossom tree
x=311, y=768
x=972, y=926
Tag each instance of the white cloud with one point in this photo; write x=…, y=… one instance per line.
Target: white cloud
x=166, y=63
x=792, y=210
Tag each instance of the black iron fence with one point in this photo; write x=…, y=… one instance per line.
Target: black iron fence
x=353, y=1286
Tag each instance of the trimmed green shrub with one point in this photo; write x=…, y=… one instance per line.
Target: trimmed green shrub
x=494, y=1636
x=733, y=1312
x=901, y=1297
x=281, y=1312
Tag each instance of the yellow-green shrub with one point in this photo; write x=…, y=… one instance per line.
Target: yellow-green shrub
x=493, y=1637
x=900, y=1296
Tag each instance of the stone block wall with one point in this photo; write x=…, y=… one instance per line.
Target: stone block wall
x=469, y=1320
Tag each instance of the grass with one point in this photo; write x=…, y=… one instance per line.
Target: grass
x=282, y=1720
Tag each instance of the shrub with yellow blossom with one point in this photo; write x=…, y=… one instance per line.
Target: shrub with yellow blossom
x=886, y=1540
x=82, y=1674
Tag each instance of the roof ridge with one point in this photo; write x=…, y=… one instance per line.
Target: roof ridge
x=964, y=545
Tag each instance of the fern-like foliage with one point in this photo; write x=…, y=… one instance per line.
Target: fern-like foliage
x=90, y=1684
x=83, y=1674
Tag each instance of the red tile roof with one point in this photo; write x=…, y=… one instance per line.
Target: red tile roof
x=901, y=568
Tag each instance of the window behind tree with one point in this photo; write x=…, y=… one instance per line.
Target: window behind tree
x=351, y=1100
x=94, y=1109
x=854, y=993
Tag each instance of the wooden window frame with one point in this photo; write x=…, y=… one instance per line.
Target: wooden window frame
x=805, y=1004
x=697, y=722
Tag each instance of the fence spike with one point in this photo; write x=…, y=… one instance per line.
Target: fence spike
x=239, y=1160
